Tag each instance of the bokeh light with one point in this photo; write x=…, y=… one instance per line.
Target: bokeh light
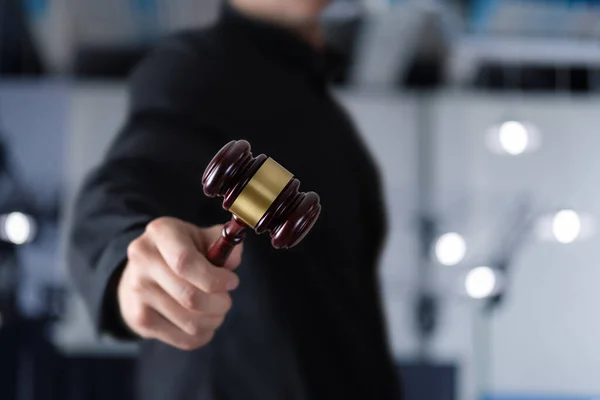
x=480, y=282
x=566, y=226
x=450, y=249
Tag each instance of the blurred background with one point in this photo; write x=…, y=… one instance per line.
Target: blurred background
x=483, y=116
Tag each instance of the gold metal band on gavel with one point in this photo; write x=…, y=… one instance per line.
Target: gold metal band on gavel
x=260, y=192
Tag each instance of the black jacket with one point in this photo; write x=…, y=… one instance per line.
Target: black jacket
x=306, y=323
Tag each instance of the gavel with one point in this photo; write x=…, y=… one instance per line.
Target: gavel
x=261, y=195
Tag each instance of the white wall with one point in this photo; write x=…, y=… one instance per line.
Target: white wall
x=389, y=124
x=544, y=338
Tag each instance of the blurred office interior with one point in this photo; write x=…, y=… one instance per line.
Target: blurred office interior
x=482, y=115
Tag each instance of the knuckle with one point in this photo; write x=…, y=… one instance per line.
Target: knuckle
x=142, y=317
x=158, y=225
x=135, y=280
x=182, y=262
x=194, y=328
x=213, y=284
x=188, y=296
x=137, y=285
x=135, y=249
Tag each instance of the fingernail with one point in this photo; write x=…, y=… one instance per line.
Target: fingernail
x=233, y=284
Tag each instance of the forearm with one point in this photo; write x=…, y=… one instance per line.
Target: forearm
x=153, y=169
x=103, y=225
x=116, y=203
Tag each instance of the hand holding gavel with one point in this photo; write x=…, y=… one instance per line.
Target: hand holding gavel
x=175, y=285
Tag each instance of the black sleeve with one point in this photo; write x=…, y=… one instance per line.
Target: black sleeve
x=153, y=169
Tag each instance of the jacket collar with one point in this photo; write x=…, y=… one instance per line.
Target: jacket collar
x=280, y=43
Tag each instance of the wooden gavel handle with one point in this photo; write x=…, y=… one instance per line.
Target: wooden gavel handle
x=233, y=233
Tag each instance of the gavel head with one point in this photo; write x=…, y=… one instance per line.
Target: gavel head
x=262, y=194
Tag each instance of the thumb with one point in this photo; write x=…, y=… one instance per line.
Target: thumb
x=207, y=237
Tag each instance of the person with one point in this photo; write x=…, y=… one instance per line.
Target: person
x=306, y=323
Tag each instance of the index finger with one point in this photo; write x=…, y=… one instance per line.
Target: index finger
x=180, y=253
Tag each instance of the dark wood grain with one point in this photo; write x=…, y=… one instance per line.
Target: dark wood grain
x=233, y=233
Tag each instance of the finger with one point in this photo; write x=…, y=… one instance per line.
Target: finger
x=179, y=290
x=204, y=238
x=155, y=326
x=153, y=269
x=182, y=256
x=191, y=322
x=188, y=295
